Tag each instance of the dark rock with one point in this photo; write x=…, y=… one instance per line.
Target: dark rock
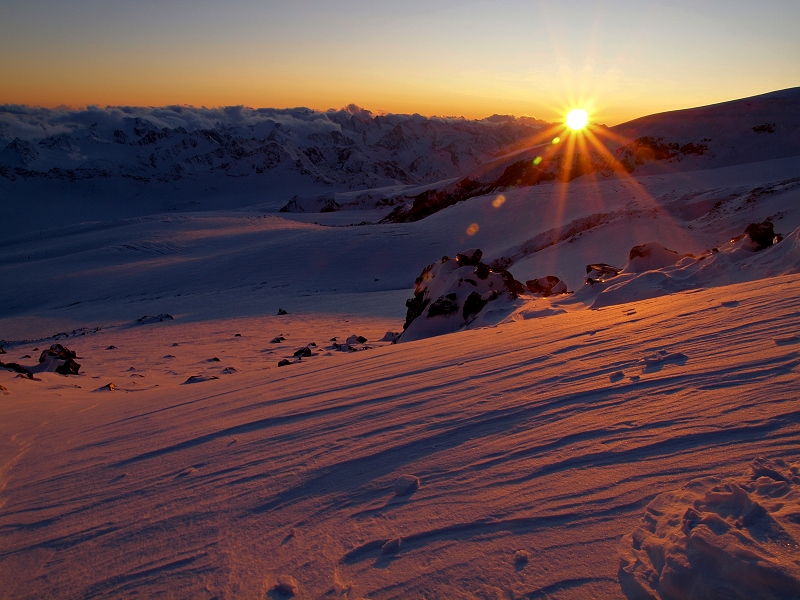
x=285, y=362
x=2, y=351
x=70, y=367
x=282, y=312
x=469, y=258
x=514, y=287
x=546, y=286
x=200, y=378
x=3, y=388
x=57, y=351
x=155, y=319
x=17, y=368
x=482, y=271
x=237, y=335
x=356, y=339
x=599, y=272
x=215, y=359
x=416, y=307
x=111, y=348
x=762, y=234
x=303, y=352
x=443, y=305
x=277, y=340
x=473, y=304
x=26, y=356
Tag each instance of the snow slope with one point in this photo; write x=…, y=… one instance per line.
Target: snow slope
x=557, y=453
x=547, y=436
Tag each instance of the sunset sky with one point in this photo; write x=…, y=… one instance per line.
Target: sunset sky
x=621, y=58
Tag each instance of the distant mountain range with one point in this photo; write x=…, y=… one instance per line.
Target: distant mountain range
x=743, y=131
x=76, y=164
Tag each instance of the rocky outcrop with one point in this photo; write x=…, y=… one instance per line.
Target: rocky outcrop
x=452, y=293
x=546, y=286
x=762, y=235
x=60, y=359
x=599, y=272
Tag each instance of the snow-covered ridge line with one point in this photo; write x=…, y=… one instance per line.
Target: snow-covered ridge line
x=350, y=146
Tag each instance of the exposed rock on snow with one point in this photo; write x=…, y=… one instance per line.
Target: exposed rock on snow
x=546, y=286
x=60, y=359
x=469, y=258
x=599, y=272
x=200, y=378
x=282, y=312
x=285, y=362
x=731, y=262
x=762, y=234
x=17, y=368
x=734, y=538
x=390, y=336
x=277, y=340
x=405, y=485
x=453, y=293
x=155, y=319
x=303, y=352
x=649, y=257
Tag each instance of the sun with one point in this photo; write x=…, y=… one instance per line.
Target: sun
x=577, y=119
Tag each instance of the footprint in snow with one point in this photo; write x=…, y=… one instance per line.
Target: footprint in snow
x=730, y=303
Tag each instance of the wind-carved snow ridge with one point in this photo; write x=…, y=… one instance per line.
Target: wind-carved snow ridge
x=732, y=538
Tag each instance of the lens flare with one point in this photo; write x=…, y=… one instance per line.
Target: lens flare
x=577, y=119
x=473, y=229
x=499, y=201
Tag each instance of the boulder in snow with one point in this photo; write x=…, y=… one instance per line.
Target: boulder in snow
x=60, y=359
x=546, y=286
x=649, y=257
x=452, y=293
x=155, y=319
x=600, y=272
x=762, y=235
x=469, y=258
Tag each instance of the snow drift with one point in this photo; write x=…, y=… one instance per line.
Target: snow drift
x=735, y=538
